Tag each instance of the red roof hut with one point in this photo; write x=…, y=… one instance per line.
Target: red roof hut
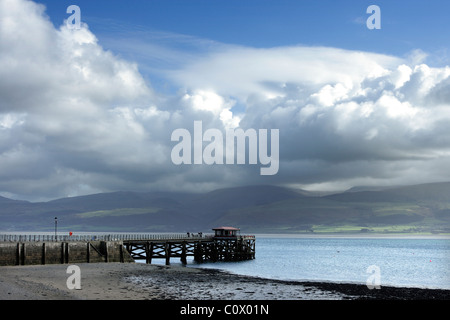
x=226, y=232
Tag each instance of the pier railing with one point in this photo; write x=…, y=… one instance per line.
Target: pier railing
x=102, y=237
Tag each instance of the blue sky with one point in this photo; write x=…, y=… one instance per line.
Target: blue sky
x=93, y=110
x=406, y=25
x=197, y=26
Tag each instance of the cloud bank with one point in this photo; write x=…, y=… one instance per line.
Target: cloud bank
x=76, y=118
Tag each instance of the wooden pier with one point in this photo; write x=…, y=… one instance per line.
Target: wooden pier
x=225, y=245
x=207, y=248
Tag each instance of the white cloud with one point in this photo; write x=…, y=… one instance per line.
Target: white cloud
x=76, y=118
x=241, y=71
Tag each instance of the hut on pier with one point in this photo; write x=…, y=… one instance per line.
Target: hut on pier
x=228, y=232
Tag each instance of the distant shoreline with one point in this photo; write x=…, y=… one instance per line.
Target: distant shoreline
x=355, y=235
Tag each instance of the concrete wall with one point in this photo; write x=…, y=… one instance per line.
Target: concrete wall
x=28, y=253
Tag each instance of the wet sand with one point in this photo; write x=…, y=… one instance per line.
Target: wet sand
x=136, y=281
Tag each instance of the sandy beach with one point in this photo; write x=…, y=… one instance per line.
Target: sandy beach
x=136, y=281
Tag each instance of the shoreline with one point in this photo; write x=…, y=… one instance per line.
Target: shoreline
x=136, y=281
x=355, y=235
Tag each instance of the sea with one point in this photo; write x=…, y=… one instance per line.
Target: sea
x=422, y=262
x=384, y=260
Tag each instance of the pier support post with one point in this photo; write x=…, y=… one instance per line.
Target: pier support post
x=151, y=253
x=168, y=249
x=198, y=252
x=121, y=257
x=20, y=254
x=148, y=256
x=183, y=253
x=105, y=253
x=43, y=253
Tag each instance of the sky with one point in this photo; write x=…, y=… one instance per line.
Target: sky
x=92, y=109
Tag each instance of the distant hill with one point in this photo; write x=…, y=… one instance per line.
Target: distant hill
x=6, y=201
x=212, y=205
x=430, y=192
x=273, y=209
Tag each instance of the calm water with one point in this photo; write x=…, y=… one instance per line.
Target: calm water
x=419, y=262
x=402, y=262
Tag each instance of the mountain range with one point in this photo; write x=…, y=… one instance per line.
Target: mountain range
x=254, y=209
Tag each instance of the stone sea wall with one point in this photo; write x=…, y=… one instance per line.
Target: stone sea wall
x=33, y=253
